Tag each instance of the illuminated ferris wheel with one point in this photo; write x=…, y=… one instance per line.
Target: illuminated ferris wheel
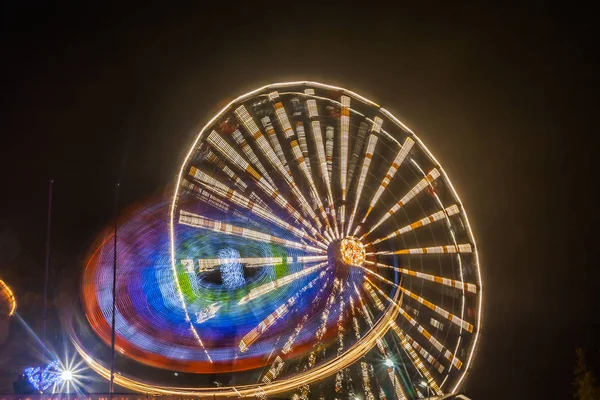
x=313, y=238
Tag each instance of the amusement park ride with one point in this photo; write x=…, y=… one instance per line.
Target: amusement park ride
x=313, y=247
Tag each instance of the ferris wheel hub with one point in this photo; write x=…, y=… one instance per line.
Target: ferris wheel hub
x=352, y=251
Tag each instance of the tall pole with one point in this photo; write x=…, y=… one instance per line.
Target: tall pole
x=47, y=264
x=46, y=272
x=114, y=297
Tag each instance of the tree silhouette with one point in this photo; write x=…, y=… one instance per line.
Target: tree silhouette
x=584, y=379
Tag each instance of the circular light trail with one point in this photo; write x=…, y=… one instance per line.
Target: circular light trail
x=279, y=189
x=8, y=301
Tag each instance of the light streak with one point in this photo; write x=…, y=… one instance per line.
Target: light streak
x=397, y=122
x=206, y=197
x=295, y=147
x=274, y=370
x=266, y=121
x=243, y=115
x=400, y=157
x=12, y=301
x=424, y=353
x=203, y=222
x=241, y=142
x=329, y=149
x=238, y=199
x=399, y=392
x=322, y=159
x=471, y=287
x=448, y=249
x=283, y=119
x=209, y=263
x=212, y=157
x=344, y=129
x=405, y=344
x=215, y=140
x=303, y=145
x=370, y=150
x=449, y=316
x=269, y=287
x=279, y=313
x=357, y=150
x=452, y=210
x=423, y=183
x=455, y=361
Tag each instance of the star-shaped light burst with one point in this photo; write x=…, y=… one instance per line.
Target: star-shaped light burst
x=56, y=376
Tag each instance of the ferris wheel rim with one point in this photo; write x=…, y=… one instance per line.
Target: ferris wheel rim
x=202, y=133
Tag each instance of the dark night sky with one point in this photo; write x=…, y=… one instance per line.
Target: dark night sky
x=506, y=98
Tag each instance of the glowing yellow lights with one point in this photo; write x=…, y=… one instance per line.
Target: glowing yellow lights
x=12, y=301
x=309, y=205
x=352, y=251
x=199, y=221
x=268, y=287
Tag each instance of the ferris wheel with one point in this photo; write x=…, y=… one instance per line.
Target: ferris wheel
x=312, y=238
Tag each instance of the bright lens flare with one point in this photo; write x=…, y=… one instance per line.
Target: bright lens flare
x=66, y=375
x=352, y=251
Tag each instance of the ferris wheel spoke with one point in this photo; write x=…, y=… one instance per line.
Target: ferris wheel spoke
x=241, y=201
x=344, y=139
x=206, y=197
x=452, y=210
x=246, y=119
x=272, y=135
x=400, y=157
x=361, y=137
x=399, y=387
x=470, y=287
x=199, y=221
x=244, y=116
x=261, y=290
x=436, y=343
x=449, y=316
x=233, y=177
x=282, y=117
x=317, y=135
x=424, y=353
x=327, y=309
x=208, y=264
x=405, y=344
x=295, y=147
x=340, y=334
x=250, y=155
x=423, y=183
x=213, y=158
x=448, y=249
x=289, y=344
x=370, y=149
x=276, y=315
x=278, y=364
x=366, y=381
x=228, y=152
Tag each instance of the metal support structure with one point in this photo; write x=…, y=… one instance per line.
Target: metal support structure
x=114, y=297
x=46, y=271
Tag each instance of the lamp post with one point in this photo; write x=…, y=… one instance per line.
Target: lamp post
x=390, y=364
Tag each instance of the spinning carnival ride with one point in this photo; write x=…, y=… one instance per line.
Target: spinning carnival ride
x=311, y=236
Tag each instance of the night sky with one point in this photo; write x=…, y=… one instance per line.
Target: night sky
x=506, y=99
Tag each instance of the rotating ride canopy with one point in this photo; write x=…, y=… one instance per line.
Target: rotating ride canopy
x=311, y=235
